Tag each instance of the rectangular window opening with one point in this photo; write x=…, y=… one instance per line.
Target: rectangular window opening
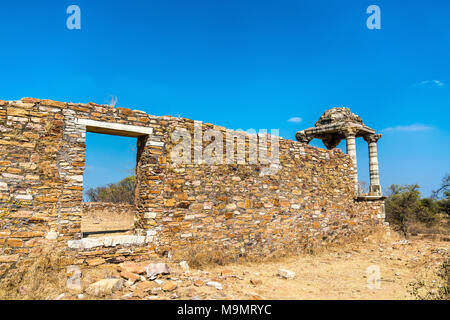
x=109, y=184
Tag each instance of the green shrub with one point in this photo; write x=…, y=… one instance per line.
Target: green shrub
x=121, y=192
x=406, y=207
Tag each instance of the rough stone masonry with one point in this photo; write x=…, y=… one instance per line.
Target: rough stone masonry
x=309, y=200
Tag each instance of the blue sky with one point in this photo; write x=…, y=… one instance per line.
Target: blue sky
x=244, y=64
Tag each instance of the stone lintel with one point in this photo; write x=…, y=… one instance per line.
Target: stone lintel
x=339, y=129
x=117, y=129
x=332, y=134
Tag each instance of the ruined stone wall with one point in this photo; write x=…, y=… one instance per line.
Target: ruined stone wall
x=42, y=159
x=30, y=185
x=309, y=199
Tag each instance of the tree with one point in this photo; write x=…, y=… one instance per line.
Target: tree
x=444, y=189
x=427, y=211
x=121, y=192
x=444, y=204
x=405, y=206
x=402, y=205
x=443, y=195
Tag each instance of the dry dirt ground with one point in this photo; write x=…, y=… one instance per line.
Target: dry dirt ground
x=341, y=274
x=95, y=221
x=335, y=273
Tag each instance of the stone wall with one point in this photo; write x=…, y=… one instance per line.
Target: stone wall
x=308, y=198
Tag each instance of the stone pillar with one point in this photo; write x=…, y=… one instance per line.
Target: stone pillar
x=351, y=151
x=372, y=140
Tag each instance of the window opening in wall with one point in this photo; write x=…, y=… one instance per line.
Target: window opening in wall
x=109, y=184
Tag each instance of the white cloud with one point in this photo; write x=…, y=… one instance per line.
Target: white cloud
x=89, y=168
x=295, y=120
x=435, y=83
x=410, y=128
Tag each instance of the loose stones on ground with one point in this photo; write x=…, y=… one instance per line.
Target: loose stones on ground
x=170, y=286
x=104, y=287
x=159, y=281
x=154, y=269
x=214, y=284
x=286, y=274
x=132, y=267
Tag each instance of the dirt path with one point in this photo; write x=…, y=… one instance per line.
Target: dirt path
x=334, y=274
x=330, y=276
x=339, y=273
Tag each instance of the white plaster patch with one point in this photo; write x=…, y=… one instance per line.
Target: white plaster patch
x=23, y=196
x=78, y=178
x=51, y=235
x=155, y=143
x=89, y=243
x=150, y=215
x=186, y=235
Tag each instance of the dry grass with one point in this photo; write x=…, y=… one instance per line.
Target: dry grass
x=106, y=219
x=201, y=256
x=433, y=283
x=339, y=273
x=331, y=272
x=416, y=228
x=37, y=278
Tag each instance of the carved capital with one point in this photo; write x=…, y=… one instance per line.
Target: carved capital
x=349, y=131
x=370, y=138
x=303, y=137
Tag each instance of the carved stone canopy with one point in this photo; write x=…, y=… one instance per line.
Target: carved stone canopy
x=333, y=126
x=338, y=115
